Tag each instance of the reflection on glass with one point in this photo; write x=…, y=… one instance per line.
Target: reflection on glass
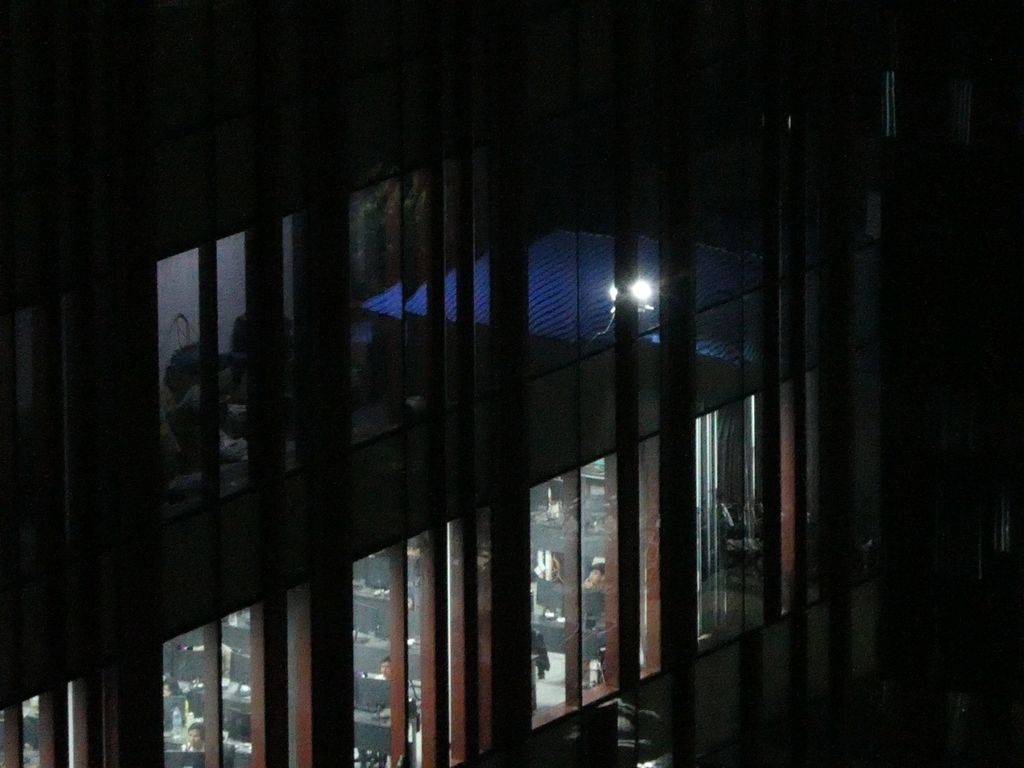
x=377, y=303
x=377, y=671
x=30, y=733
x=293, y=232
x=186, y=671
x=599, y=594
x=456, y=642
x=554, y=576
x=417, y=601
x=36, y=434
x=787, y=453
x=813, y=535
x=720, y=523
x=179, y=381
x=650, y=544
x=749, y=534
x=418, y=258
x=236, y=686
x=484, y=625
x=232, y=365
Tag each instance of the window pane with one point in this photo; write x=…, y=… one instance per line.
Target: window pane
x=787, y=452
x=375, y=221
x=178, y=349
x=456, y=642
x=745, y=537
x=418, y=601
x=295, y=329
x=188, y=667
x=300, y=680
x=485, y=675
x=554, y=543
x=232, y=366
x=30, y=733
x=599, y=595
x=813, y=525
x=378, y=654
x=650, y=566
x=719, y=501
x=236, y=686
x=38, y=452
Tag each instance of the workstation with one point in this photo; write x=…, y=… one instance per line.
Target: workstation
x=572, y=540
x=387, y=650
x=188, y=666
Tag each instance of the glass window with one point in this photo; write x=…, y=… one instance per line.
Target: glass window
x=236, y=680
x=295, y=330
x=418, y=261
x=485, y=664
x=232, y=364
x=554, y=593
x=38, y=452
x=375, y=220
x=813, y=505
x=379, y=656
x=189, y=685
x=787, y=453
x=650, y=559
x=456, y=642
x=30, y=733
x=720, y=514
x=419, y=619
x=599, y=595
x=300, y=680
x=78, y=735
x=179, y=379
x=747, y=535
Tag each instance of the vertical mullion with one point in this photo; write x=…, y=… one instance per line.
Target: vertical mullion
x=435, y=743
x=836, y=397
x=796, y=90
x=626, y=364
x=12, y=736
x=771, y=221
x=212, y=709
x=460, y=78
x=258, y=697
x=128, y=27
x=209, y=416
x=398, y=652
x=510, y=521
x=330, y=529
x=676, y=67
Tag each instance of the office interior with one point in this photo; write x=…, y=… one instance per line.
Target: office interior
x=566, y=382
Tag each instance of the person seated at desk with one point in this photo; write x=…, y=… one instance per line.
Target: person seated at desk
x=595, y=579
x=196, y=739
x=171, y=687
x=385, y=668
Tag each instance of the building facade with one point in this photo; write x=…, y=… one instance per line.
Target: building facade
x=360, y=362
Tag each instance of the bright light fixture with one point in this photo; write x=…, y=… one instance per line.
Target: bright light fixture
x=641, y=290
x=613, y=292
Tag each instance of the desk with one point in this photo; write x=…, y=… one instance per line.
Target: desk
x=553, y=633
x=237, y=715
x=551, y=537
x=372, y=733
x=371, y=612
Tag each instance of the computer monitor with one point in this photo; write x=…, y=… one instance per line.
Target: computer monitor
x=550, y=596
x=240, y=668
x=170, y=702
x=179, y=759
x=372, y=694
x=377, y=572
x=593, y=608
